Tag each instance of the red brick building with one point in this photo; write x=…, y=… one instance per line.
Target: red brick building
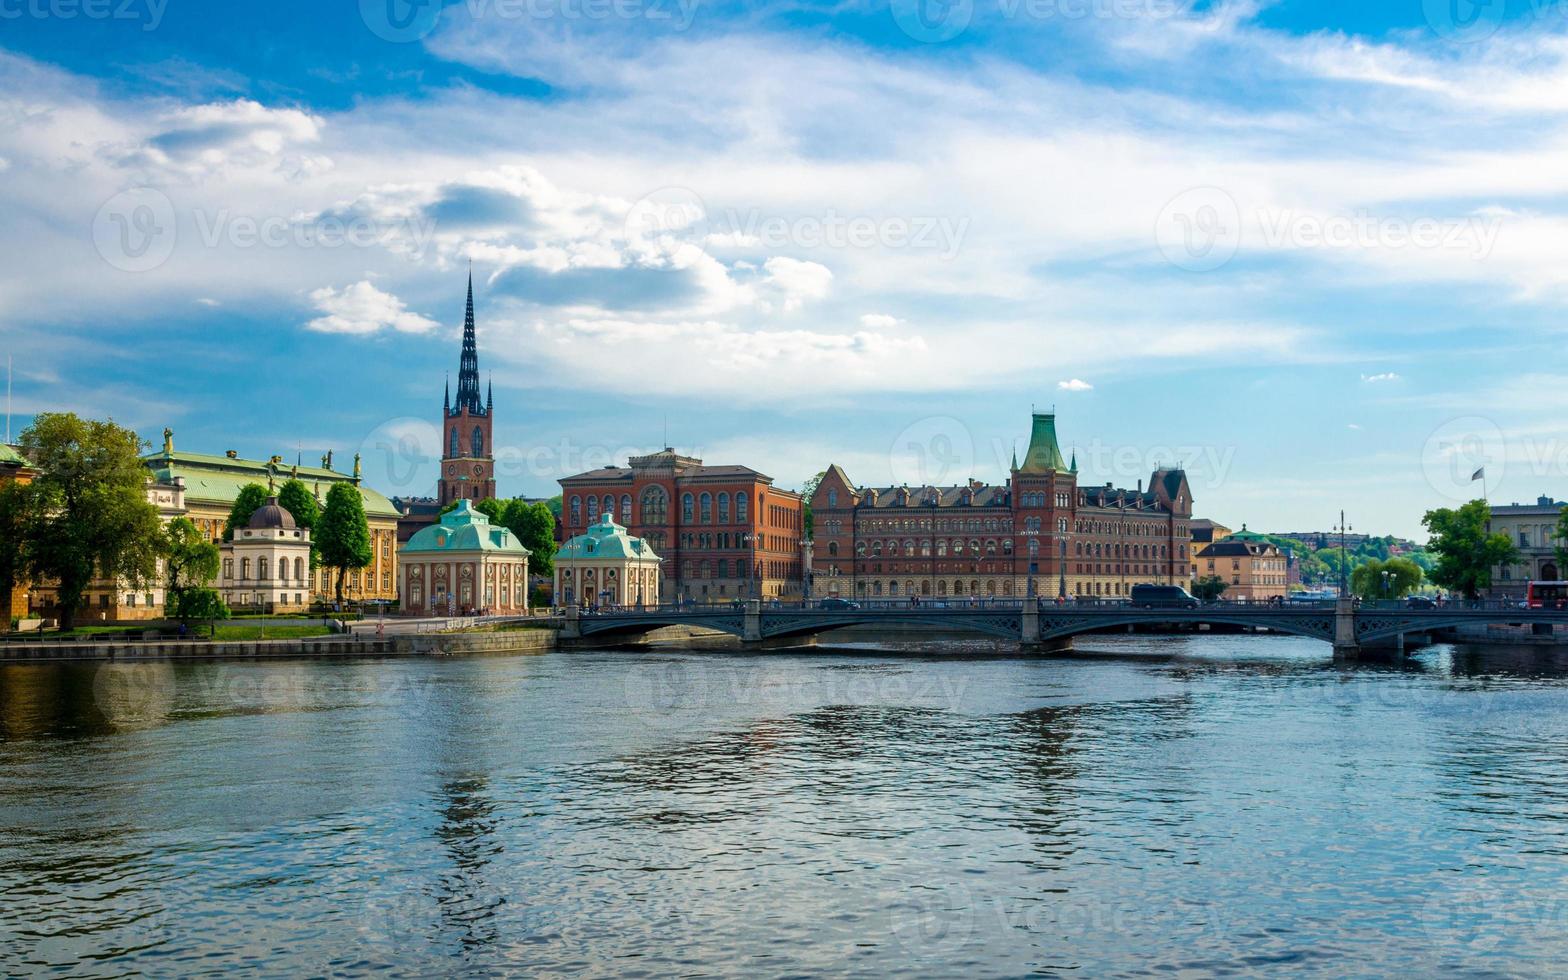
x=468, y=452
x=1039, y=534
x=724, y=532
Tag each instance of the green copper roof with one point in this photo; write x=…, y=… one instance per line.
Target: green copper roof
x=218, y=479
x=1044, y=455
x=464, y=529
x=10, y=457
x=1246, y=535
x=605, y=539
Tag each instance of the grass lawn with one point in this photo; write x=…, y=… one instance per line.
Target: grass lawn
x=232, y=631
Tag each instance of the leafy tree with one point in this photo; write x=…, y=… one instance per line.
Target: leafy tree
x=1465, y=552
x=249, y=500
x=297, y=499
x=204, y=605
x=534, y=526
x=1404, y=577
x=343, y=534
x=555, y=505
x=90, y=511
x=1209, y=588
x=807, y=491
x=15, y=517
x=191, y=563
x=1561, y=536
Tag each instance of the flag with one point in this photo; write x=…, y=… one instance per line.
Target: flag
x=1479, y=474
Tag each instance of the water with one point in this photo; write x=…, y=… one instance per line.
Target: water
x=1217, y=805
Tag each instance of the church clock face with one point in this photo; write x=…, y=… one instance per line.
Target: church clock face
x=451, y=470
x=478, y=469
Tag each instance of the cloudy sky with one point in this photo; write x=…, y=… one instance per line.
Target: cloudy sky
x=1311, y=250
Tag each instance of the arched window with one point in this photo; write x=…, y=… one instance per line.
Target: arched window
x=283, y=569
x=655, y=506
x=724, y=508
x=609, y=505
x=299, y=569
x=740, y=508
x=941, y=548
x=688, y=504
x=577, y=510
x=707, y=508
x=593, y=509
x=626, y=508
x=261, y=568
x=452, y=450
x=479, y=441
x=832, y=549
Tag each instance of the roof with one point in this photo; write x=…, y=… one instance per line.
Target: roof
x=272, y=514
x=667, y=461
x=1044, y=455
x=464, y=529
x=218, y=479
x=10, y=457
x=1231, y=548
x=606, y=539
x=1246, y=535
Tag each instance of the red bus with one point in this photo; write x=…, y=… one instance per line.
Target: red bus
x=1547, y=595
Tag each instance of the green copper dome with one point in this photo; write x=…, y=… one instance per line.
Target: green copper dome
x=605, y=539
x=1044, y=455
x=464, y=529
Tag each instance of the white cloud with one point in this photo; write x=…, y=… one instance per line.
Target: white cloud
x=1372, y=379
x=879, y=321
x=363, y=309
x=797, y=280
x=1074, y=385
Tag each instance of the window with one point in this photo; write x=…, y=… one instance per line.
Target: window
x=479, y=441
x=593, y=509
x=609, y=506
x=228, y=568
x=832, y=498
x=626, y=508
x=740, y=507
x=724, y=508
x=655, y=506
x=452, y=443
x=245, y=568
x=688, y=506
x=299, y=569
x=577, y=510
x=707, y=508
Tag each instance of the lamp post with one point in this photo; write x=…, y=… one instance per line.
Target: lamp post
x=1061, y=569
x=1344, y=571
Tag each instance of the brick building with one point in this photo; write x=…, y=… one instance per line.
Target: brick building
x=724, y=532
x=1041, y=533
x=468, y=451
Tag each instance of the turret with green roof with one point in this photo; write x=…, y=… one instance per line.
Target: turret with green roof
x=1045, y=454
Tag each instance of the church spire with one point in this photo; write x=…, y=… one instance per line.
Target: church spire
x=468, y=365
x=490, y=394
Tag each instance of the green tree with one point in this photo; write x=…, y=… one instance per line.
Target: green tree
x=555, y=504
x=201, y=605
x=1403, y=577
x=534, y=526
x=343, y=534
x=1561, y=536
x=191, y=564
x=249, y=500
x=1209, y=588
x=807, y=491
x=89, y=503
x=15, y=516
x=1465, y=553
x=297, y=499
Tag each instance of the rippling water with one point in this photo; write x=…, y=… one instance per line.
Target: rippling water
x=1211, y=805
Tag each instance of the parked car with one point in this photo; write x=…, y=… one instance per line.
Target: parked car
x=834, y=602
x=1162, y=597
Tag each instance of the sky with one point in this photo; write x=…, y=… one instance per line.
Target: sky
x=1310, y=251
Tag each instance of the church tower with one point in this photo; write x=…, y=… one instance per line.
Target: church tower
x=468, y=461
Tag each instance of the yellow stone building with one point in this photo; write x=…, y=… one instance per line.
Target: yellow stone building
x=1253, y=568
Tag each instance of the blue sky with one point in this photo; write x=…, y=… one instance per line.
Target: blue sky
x=1309, y=250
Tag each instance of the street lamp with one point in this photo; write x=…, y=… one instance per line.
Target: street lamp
x=1061, y=571
x=1344, y=571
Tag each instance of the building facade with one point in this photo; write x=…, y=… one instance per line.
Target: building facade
x=463, y=564
x=1039, y=534
x=211, y=483
x=266, y=567
x=14, y=468
x=468, y=452
x=725, y=532
x=1253, y=568
x=1532, y=529
x=606, y=566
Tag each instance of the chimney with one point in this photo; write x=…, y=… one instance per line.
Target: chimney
x=231, y=453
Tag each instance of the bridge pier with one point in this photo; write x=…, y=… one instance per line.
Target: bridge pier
x=751, y=622
x=573, y=628
x=1346, y=644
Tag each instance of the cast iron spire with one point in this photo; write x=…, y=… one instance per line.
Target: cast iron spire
x=468, y=366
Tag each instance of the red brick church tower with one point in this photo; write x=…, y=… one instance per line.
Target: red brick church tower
x=468, y=461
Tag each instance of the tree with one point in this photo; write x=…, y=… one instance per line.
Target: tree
x=1561, y=536
x=1209, y=588
x=1403, y=577
x=534, y=526
x=807, y=491
x=15, y=516
x=297, y=499
x=204, y=605
x=343, y=534
x=191, y=563
x=1465, y=552
x=251, y=498
x=90, y=515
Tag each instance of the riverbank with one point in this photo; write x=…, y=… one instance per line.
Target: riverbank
x=338, y=646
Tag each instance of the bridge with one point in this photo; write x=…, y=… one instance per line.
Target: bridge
x=1049, y=625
